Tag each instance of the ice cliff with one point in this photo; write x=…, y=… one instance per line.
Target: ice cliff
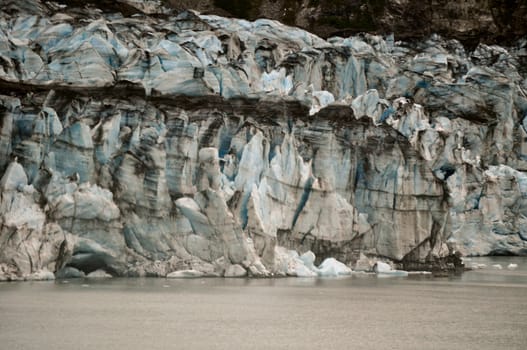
x=177, y=143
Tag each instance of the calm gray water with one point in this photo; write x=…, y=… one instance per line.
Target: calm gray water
x=485, y=309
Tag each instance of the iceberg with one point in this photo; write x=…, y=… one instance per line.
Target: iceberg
x=383, y=269
x=331, y=267
x=512, y=266
x=185, y=274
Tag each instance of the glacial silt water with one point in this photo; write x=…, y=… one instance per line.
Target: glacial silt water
x=483, y=309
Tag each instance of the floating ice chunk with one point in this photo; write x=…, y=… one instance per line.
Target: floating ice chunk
x=185, y=274
x=331, y=267
x=69, y=272
x=393, y=273
x=385, y=270
x=512, y=266
x=99, y=274
x=302, y=270
x=289, y=263
x=308, y=258
x=304, y=266
x=382, y=267
x=419, y=273
x=473, y=265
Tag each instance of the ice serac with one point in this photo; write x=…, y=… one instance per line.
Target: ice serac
x=184, y=145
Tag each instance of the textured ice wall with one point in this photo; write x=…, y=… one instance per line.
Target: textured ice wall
x=144, y=145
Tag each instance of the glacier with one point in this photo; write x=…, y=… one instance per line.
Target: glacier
x=183, y=145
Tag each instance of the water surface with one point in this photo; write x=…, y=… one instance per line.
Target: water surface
x=484, y=309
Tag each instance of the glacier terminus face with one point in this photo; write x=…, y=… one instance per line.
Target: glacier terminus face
x=194, y=145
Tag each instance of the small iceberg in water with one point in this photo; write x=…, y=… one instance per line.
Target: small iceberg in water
x=512, y=267
x=185, y=274
x=385, y=270
x=331, y=267
x=292, y=264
